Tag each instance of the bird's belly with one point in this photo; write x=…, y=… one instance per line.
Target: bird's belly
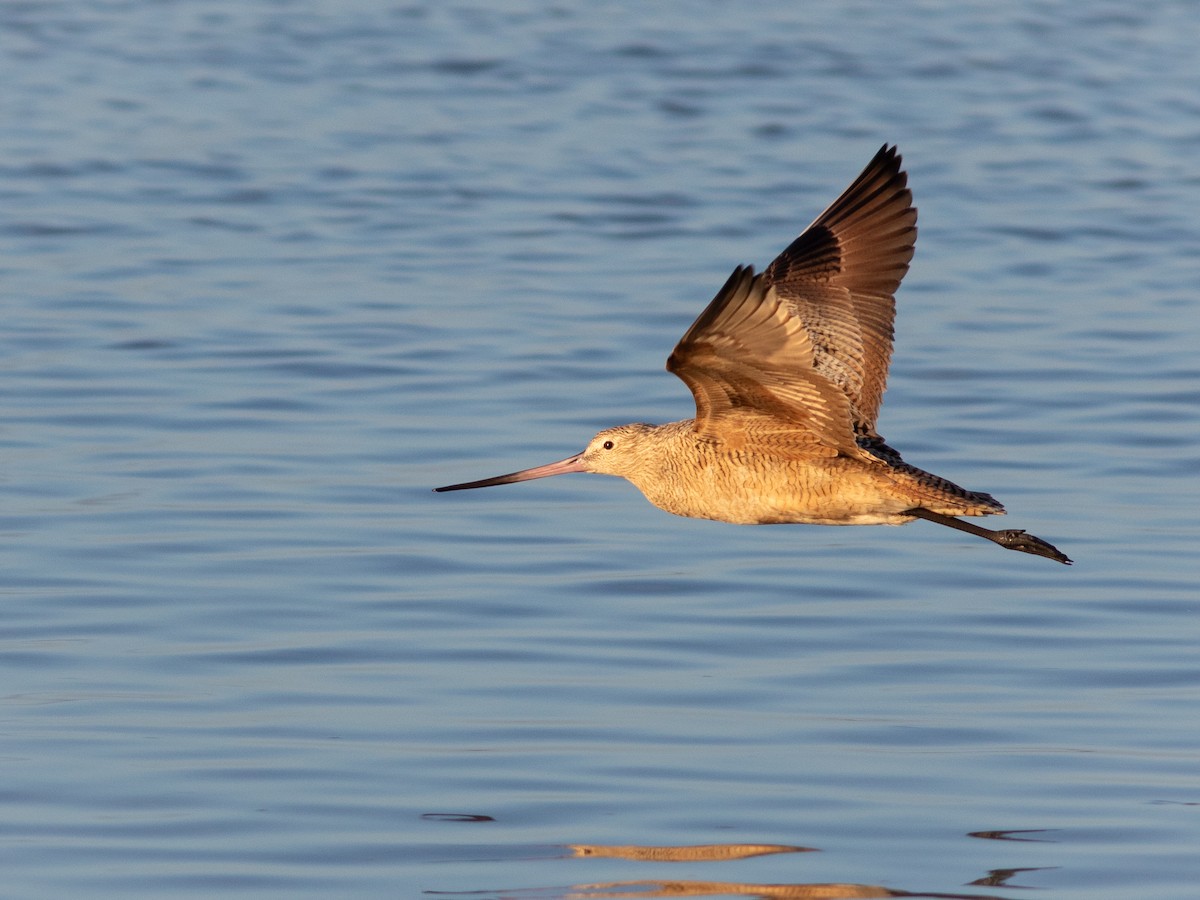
x=828, y=492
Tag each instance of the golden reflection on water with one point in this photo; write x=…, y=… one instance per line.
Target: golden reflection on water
x=635, y=889
x=629, y=890
x=644, y=888
x=696, y=853
x=632, y=890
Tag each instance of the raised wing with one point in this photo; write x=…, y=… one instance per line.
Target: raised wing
x=750, y=364
x=839, y=277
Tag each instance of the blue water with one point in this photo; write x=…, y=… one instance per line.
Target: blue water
x=272, y=270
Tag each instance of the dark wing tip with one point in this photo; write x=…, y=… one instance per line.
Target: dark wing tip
x=864, y=240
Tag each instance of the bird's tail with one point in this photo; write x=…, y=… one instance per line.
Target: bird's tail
x=931, y=491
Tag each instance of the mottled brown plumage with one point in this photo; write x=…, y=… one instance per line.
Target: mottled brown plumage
x=788, y=369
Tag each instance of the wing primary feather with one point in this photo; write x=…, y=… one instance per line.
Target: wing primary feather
x=839, y=277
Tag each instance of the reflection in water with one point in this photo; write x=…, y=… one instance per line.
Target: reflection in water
x=629, y=890
x=1012, y=834
x=632, y=890
x=697, y=853
x=1000, y=877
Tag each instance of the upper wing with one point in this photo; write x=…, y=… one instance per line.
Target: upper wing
x=750, y=364
x=839, y=276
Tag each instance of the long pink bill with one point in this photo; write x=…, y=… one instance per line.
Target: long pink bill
x=562, y=467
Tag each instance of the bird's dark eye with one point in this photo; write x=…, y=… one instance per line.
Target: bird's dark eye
x=608, y=445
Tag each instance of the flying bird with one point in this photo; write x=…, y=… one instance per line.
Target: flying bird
x=788, y=369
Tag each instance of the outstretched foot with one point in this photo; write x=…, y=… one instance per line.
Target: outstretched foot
x=1019, y=539
x=1012, y=539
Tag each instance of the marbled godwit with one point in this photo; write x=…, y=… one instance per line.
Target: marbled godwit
x=788, y=369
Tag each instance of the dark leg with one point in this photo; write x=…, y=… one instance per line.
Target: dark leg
x=1013, y=539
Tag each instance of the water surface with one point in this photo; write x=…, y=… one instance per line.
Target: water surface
x=273, y=270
